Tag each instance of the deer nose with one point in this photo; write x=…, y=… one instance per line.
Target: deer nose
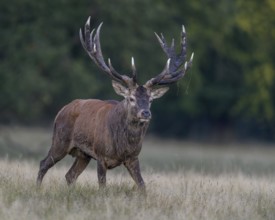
x=146, y=114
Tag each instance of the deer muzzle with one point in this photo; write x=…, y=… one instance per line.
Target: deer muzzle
x=144, y=115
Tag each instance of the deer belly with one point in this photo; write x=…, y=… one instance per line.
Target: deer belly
x=112, y=163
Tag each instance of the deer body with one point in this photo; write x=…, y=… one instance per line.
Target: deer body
x=100, y=130
x=110, y=132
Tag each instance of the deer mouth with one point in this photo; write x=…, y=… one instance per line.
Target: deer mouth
x=144, y=119
x=141, y=121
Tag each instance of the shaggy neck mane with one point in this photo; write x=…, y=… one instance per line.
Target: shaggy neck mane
x=126, y=132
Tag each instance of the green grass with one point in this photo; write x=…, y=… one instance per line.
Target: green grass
x=184, y=181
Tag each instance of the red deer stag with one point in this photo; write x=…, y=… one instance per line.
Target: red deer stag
x=111, y=132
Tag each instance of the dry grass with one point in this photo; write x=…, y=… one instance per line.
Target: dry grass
x=170, y=195
x=191, y=182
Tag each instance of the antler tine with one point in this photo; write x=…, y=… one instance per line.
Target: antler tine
x=189, y=63
x=183, y=43
x=157, y=79
x=87, y=34
x=129, y=81
x=81, y=39
x=172, y=71
x=173, y=44
x=92, y=46
x=162, y=42
x=134, y=72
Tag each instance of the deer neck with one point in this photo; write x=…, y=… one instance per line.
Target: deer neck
x=124, y=128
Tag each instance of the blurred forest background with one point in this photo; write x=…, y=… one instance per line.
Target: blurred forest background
x=229, y=93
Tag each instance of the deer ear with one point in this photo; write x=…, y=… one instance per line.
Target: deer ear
x=157, y=93
x=120, y=89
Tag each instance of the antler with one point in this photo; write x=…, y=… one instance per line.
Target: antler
x=91, y=44
x=172, y=71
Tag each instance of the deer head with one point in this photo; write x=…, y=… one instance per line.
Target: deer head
x=138, y=98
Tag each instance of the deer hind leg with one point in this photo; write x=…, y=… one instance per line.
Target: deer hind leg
x=101, y=173
x=45, y=164
x=77, y=168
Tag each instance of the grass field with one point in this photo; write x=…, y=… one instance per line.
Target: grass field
x=185, y=180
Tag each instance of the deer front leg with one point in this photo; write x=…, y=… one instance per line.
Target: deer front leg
x=132, y=166
x=101, y=173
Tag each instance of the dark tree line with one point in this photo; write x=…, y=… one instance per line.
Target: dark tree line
x=230, y=90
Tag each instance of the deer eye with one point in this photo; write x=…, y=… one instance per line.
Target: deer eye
x=132, y=99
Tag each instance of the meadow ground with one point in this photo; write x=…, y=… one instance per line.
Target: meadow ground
x=184, y=180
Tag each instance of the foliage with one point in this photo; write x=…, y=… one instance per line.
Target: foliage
x=230, y=86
